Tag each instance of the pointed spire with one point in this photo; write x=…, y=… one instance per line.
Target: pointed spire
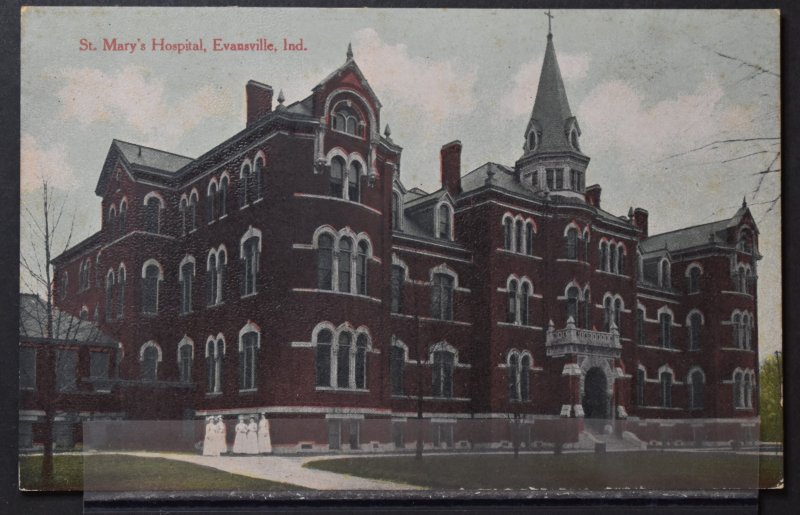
x=387, y=131
x=281, y=98
x=349, y=51
x=744, y=201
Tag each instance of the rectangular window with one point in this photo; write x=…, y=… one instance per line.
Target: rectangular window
x=560, y=179
x=639, y=327
x=334, y=434
x=640, y=381
x=443, y=362
x=398, y=435
x=98, y=365
x=666, y=330
x=66, y=362
x=247, y=361
x=397, y=363
x=355, y=434
x=442, y=297
x=186, y=287
x=551, y=181
x=443, y=435
x=397, y=280
x=27, y=368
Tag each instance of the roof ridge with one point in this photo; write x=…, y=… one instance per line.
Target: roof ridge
x=117, y=140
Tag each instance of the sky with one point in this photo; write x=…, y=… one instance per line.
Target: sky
x=679, y=110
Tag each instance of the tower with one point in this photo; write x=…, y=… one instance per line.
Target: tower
x=552, y=160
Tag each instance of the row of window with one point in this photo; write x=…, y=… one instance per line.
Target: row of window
x=742, y=324
x=66, y=367
x=442, y=287
x=443, y=360
x=518, y=234
x=743, y=386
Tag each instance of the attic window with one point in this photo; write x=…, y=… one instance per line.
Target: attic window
x=573, y=139
x=346, y=119
x=533, y=141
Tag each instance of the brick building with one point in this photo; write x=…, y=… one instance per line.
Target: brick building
x=290, y=271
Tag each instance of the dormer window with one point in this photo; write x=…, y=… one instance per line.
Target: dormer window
x=533, y=140
x=573, y=139
x=346, y=119
x=444, y=223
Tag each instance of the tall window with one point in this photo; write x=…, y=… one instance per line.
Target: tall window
x=223, y=196
x=519, y=377
x=396, y=365
x=345, y=340
x=525, y=378
x=666, y=278
x=694, y=280
x=361, y=361
x=738, y=390
x=551, y=180
x=513, y=377
x=215, y=351
x=559, y=178
x=149, y=363
x=696, y=390
x=323, y=361
x=258, y=179
x=640, y=326
x=617, y=313
x=665, y=320
x=748, y=390
x=66, y=373
x=695, y=331
x=508, y=234
x=397, y=280
x=122, y=220
x=247, y=361
x=213, y=281
x=187, y=274
x=152, y=221
x=250, y=264
x=608, y=314
x=121, y=292
x=572, y=303
x=112, y=222
x=612, y=266
x=337, y=177
x=529, y=238
x=572, y=243
x=346, y=120
x=211, y=201
x=442, y=297
x=587, y=308
x=325, y=262
x=361, y=268
x=620, y=260
x=519, y=232
x=511, y=314
x=738, y=334
x=666, y=389
x=185, y=363
x=245, y=186
x=110, y=300
x=184, y=210
x=354, y=181
x=604, y=255
x=524, y=304
x=396, y=211
x=444, y=222
x=193, y=211
x=443, y=363
x=640, y=382
x=345, y=259
x=150, y=286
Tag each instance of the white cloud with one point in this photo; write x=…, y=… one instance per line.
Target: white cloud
x=440, y=88
x=38, y=163
x=134, y=96
x=520, y=101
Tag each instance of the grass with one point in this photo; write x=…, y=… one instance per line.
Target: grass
x=131, y=473
x=637, y=470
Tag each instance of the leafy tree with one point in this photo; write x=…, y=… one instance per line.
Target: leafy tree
x=771, y=399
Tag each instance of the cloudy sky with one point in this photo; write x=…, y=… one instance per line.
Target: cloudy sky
x=679, y=109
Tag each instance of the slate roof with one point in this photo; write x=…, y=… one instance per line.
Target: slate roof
x=695, y=236
x=33, y=324
x=152, y=158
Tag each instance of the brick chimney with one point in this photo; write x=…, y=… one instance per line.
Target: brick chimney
x=592, y=195
x=640, y=220
x=259, y=101
x=451, y=167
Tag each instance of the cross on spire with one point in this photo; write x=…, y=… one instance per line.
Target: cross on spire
x=549, y=22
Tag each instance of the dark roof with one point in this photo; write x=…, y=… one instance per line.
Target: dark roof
x=152, y=158
x=694, y=236
x=66, y=328
x=94, y=239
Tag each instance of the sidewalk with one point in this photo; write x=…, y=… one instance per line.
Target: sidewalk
x=284, y=469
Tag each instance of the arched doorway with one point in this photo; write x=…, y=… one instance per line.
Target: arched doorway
x=595, y=397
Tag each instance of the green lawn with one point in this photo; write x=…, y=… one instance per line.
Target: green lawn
x=646, y=470
x=131, y=473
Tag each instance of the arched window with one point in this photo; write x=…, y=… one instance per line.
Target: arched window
x=396, y=222
x=604, y=255
x=586, y=241
x=184, y=210
x=186, y=277
x=666, y=278
x=572, y=243
x=323, y=355
x=122, y=220
x=695, y=331
x=748, y=390
x=696, y=390
x=665, y=319
x=525, y=378
x=211, y=201
x=361, y=361
x=346, y=119
x=572, y=303
x=344, y=343
x=148, y=361
x=258, y=179
x=247, y=360
x=745, y=242
x=444, y=222
x=746, y=331
x=443, y=365
x=608, y=314
x=121, y=292
x=613, y=259
x=215, y=352
x=694, y=279
x=110, y=300
x=442, y=302
x=396, y=366
x=666, y=389
x=529, y=238
x=511, y=312
x=150, y=285
x=250, y=265
x=519, y=233
x=112, y=222
x=738, y=336
x=361, y=268
x=639, y=326
x=325, y=262
x=245, y=186
x=621, y=260
x=508, y=234
x=337, y=177
x=354, y=182
x=617, y=312
x=193, y=211
x=397, y=280
x=738, y=390
x=213, y=280
x=185, y=363
x=640, y=384
x=524, y=304
x=153, y=215
x=587, y=308
x=345, y=258
x=223, y=196
x=513, y=377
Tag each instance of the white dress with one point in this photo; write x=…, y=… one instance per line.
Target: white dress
x=264, y=441
x=220, y=441
x=251, y=441
x=241, y=436
x=209, y=443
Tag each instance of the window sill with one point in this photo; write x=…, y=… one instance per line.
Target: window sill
x=215, y=394
x=337, y=199
x=614, y=274
x=248, y=390
x=244, y=207
x=577, y=261
x=655, y=347
x=249, y=295
x=356, y=136
x=215, y=305
x=520, y=254
x=334, y=292
x=211, y=222
x=223, y=216
x=521, y=326
x=340, y=389
x=443, y=321
x=256, y=201
x=737, y=349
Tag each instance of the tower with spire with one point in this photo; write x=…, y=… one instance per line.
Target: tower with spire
x=552, y=160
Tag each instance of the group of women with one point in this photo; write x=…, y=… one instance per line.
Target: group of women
x=251, y=437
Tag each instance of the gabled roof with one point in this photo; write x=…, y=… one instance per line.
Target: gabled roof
x=694, y=236
x=430, y=198
x=350, y=64
x=66, y=328
x=140, y=158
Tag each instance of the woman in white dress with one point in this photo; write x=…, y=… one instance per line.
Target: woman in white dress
x=251, y=442
x=220, y=435
x=241, y=436
x=209, y=443
x=264, y=440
